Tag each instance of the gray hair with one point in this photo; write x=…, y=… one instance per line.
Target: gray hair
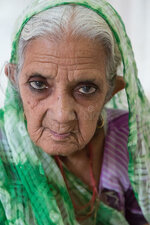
x=77, y=21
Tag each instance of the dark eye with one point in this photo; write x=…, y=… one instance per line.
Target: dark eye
x=39, y=85
x=87, y=90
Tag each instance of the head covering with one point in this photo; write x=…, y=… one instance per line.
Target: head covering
x=32, y=190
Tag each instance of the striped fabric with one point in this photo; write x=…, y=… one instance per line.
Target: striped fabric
x=116, y=151
x=114, y=187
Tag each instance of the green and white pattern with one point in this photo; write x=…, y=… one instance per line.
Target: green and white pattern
x=32, y=190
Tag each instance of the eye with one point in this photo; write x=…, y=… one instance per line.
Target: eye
x=87, y=90
x=39, y=85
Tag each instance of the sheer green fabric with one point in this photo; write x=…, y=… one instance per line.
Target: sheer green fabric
x=32, y=189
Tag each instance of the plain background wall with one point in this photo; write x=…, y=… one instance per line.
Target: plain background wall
x=135, y=14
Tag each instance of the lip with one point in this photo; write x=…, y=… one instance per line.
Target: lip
x=58, y=136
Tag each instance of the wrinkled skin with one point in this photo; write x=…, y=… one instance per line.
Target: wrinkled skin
x=63, y=89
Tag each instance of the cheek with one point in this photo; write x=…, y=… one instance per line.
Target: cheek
x=34, y=112
x=31, y=105
x=88, y=121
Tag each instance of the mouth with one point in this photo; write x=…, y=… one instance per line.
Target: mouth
x=59, y=136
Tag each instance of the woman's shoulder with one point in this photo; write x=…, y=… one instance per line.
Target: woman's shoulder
x=117, y=131
x=115, y=159
x=117, y=118
x=116, y=156
x=115, y=187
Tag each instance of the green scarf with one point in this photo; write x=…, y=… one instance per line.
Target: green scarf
x=32, y=189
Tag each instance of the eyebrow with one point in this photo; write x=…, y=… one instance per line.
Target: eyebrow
x=77, y=80
x=83, y=80
x=40, y=76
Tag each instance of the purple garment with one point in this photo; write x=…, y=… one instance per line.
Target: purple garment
x=115, y=188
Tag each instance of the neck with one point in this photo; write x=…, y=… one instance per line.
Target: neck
x=79, y=162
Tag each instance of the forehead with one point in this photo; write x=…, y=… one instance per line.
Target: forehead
x=82, y=48
x=43, y=54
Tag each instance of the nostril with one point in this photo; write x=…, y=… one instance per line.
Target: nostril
x=72, y=116
x=63, y=107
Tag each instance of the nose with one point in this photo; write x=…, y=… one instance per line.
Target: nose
x=63, y=108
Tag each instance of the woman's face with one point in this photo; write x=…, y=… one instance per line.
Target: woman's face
x=63, y=88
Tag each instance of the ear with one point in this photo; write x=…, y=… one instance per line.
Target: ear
x=10, y=70
x=119, y=85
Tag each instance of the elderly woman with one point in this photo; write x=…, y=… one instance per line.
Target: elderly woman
x=66, y=158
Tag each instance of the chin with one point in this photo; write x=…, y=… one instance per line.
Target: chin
x=62, y=149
